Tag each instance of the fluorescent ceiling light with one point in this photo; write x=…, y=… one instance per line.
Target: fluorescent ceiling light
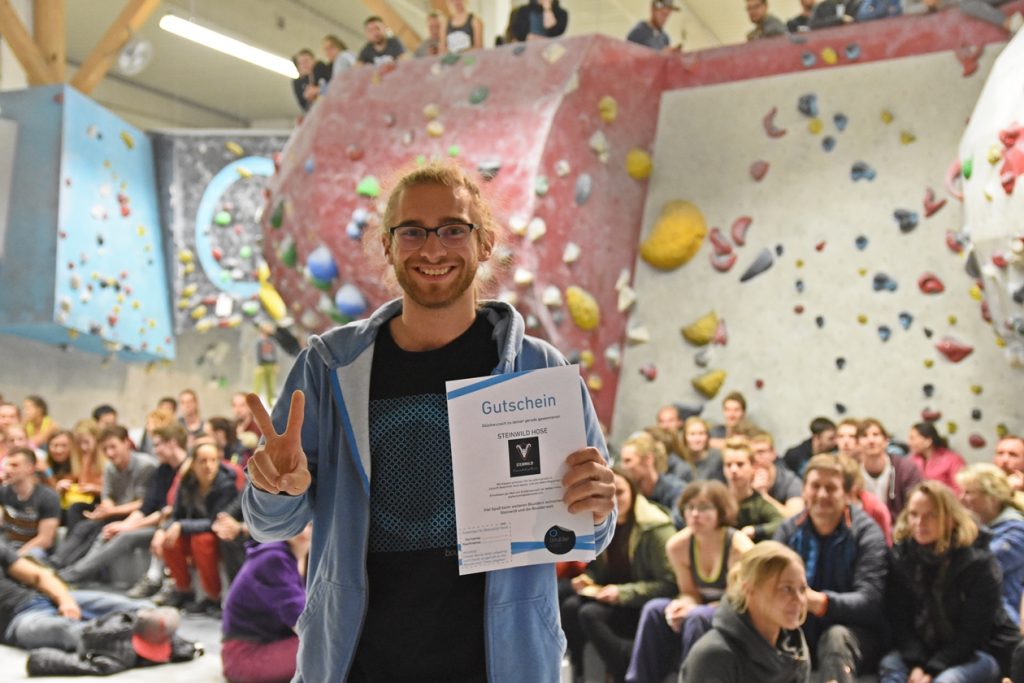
x=229, y=46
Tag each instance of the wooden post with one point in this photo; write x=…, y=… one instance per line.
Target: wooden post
x=441, y=6
x=382, y=8
x=48, y=20
x=24, y=48
x=99, y=61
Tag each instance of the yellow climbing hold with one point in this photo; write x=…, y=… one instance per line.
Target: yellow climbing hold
x=887, y=116
x=198, y=312
x=799, y=263
x=638, y=164
x=975, y=292
x=862, y=319
x=243, y=172
x=1001, y=430
x=676, y=237
x=608, y=108
x=709, y=383
x=928, y=362
x=586, y=358
x=995, y=154
x=127, y=139
x=594, y=382
x=952, y=320
x=815, y=126
x=435, y=129
x=583, y=308
x=701, y=331
x=976, y=389
x=951, y=427
x=234, y=148
x=906, y=137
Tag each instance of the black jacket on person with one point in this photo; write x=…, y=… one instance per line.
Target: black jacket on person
x=521, y=22
x=734, y=652
x=321, y=74
x=944, y=608
x=196, y=513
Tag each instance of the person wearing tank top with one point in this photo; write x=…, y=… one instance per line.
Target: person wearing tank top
x=701, y=555
x=464, y=31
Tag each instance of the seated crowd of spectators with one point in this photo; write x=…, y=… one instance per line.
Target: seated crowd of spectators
x=908, y=563
x=136, y=514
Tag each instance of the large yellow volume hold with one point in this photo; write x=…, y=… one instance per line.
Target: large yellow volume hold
x=702, y=330
x=709, y=383
x=583, y=308
x=676, y=237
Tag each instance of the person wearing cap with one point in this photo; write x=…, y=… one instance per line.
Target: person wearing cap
x=37, y=609
x=652, y=32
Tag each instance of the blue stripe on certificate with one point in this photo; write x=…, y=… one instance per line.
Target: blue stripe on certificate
x=483, y=384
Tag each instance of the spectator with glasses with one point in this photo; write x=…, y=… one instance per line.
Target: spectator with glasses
x=701, y=556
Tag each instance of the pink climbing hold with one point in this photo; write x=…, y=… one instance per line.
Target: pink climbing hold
x=953, y=349
x=931, y=284
x=968, y=56
x=722, y=262
x=929, y=415
x=1013, y=156
x=721, y=335
x=719, y=242
x=976, y=440
x=758, y=169
x=649, y=372
x=931, y=206
x=770, y=129
x=739, y=230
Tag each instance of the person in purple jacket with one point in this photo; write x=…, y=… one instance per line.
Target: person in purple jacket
x=262, y=607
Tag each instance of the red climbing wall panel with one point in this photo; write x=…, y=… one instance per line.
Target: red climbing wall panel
x=533, y=109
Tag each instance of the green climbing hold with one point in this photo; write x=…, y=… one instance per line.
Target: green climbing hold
x=245, y=252
x=468, y=60
x=454, y=151
x=287, y=252
x=450, y=58
x=278, y=217
x=967, y=168
x=421, y=160
x=250, y=307
x=479, y=94
x=223, y=219
x=369, y=187
x=322, y=285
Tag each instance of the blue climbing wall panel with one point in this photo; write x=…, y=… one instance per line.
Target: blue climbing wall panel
x=83, y=262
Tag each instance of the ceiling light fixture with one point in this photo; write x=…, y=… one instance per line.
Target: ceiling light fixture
x=229, y=46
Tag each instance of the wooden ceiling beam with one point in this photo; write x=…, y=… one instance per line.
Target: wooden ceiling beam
x=48, y=26
x=24, y=47
x=99, y=61
x=382, y=8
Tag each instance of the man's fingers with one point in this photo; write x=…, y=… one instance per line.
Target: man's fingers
x=262, y=472
x=295, y=483
x=295, y=414
x=259, y=413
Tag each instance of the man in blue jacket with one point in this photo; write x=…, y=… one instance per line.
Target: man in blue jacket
x=363, y=451
x=846, y=560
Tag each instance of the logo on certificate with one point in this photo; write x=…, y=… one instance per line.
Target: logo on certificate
x=524, y=456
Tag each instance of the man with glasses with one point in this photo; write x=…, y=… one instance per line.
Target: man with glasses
x=365, y=452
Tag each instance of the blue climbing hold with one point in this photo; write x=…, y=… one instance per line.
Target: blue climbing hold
x=883, y=282
x=808, y=104
x=861, y=242
x=852, y=52
x=321, y=264
x=828, y=143
x=861, y=171
x=761, y=263
x=820, y=321
x=907, y=220
x=884, y=332
x=808, y=59
x=350, y=301
x=840, y=120
x=800, y=286
x=906, y=319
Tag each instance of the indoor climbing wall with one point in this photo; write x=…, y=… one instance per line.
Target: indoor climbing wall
x=557, y=132
x=213, y=192
x=987, y=175
x=795, y=249
x=83, y=262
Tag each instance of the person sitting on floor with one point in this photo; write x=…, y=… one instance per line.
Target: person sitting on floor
x=207, y=489
x=31, y=510
x=605, y=608
x=261, y=609
x=701, y=555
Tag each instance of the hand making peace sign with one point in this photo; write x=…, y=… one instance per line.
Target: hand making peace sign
x=279, y=465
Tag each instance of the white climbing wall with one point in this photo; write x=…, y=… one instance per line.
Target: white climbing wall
x=707, y=140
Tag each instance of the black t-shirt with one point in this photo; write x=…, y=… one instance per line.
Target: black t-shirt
x=21, y=517
x=393, y=49
x=13, y=595
x=156, y=493
x=424, y=622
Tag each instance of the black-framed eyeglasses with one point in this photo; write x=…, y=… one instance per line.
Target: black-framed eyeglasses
x=452, y=235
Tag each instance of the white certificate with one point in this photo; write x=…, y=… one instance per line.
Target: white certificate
x=510, y=437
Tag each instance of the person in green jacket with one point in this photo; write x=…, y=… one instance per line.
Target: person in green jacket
x=605, y=605
x=757, y=518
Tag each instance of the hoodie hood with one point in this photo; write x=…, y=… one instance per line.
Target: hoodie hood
x=764, y=663
x=342, y=345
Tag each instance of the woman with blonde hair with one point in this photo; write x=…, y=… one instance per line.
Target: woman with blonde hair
x=696, y=450
x=986, y=492
x=944, y=596
x=756, y=630
x=83, y=493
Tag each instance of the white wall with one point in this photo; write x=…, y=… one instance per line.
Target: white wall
x=707, y=139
